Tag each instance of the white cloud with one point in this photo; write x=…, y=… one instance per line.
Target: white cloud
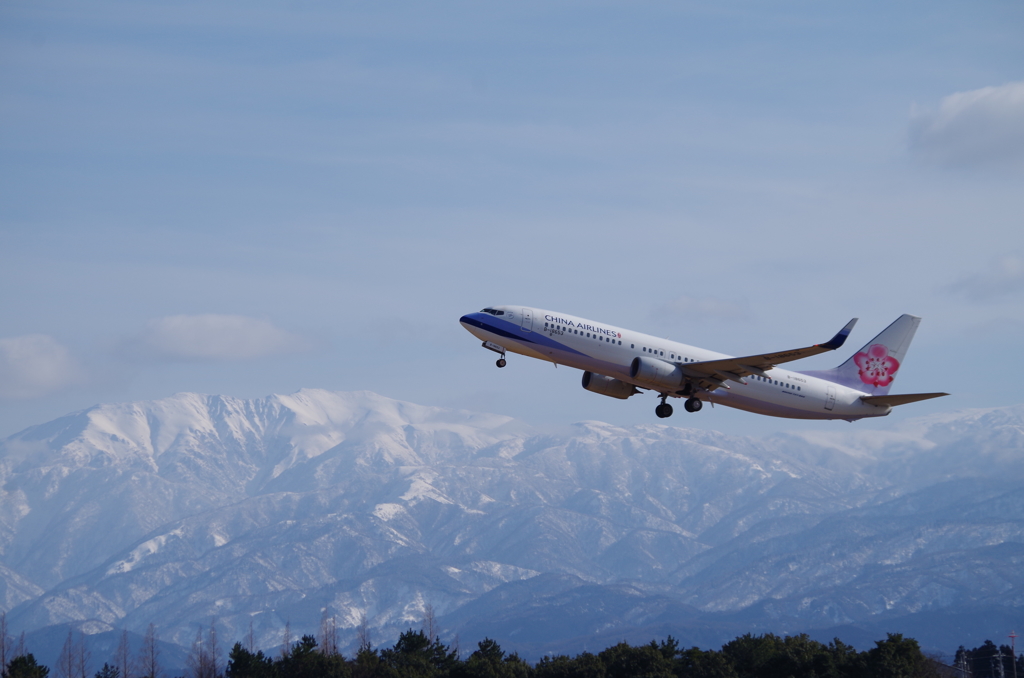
x=982, y=126
x=706, y=307
x=215, y=337
x=35, y=365
x=1004, y=276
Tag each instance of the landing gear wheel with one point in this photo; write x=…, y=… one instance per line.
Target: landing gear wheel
x=693, y=404
x=663, y=410
x=501, y=362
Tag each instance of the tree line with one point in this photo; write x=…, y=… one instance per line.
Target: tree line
x=421, y=654
x=416, y=655
x=989, y=661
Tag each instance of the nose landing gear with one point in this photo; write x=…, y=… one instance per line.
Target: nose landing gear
x=500, y=350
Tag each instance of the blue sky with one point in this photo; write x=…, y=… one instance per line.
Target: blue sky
x=247, y=199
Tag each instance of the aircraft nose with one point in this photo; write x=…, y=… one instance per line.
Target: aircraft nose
x=474, y=320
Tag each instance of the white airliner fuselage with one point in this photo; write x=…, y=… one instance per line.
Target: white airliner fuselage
x=616, y=362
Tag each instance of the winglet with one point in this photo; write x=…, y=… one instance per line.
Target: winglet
x=840, y=338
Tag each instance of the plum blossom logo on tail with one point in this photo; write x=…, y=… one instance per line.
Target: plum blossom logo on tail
x=877, y=367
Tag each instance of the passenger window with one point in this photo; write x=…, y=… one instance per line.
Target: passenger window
x=632, y=345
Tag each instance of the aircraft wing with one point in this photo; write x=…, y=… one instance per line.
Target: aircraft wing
x=711, y=374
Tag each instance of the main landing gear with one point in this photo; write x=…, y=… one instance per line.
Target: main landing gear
x=664, y=410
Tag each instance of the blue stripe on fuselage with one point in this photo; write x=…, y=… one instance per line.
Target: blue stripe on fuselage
x=504, y=328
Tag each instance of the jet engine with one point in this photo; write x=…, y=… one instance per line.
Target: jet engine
x=598, y=383
x=659, y=374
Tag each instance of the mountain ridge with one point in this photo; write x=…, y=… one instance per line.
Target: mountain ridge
x=274, y=509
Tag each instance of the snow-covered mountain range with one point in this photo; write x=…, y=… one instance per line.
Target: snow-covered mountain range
x=270, y=511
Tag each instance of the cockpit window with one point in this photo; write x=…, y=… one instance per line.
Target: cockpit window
x=493, y=311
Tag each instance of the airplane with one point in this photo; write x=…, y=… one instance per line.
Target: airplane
x=620, y=363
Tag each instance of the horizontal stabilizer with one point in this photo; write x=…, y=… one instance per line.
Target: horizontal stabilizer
x=899, y=399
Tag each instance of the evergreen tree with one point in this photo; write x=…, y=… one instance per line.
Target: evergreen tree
x=25, y=666
x=305, y=661
x=846, y=660
x=244, y=664
x=749, y=654
x=896, y=657
x=490, y=661
x=626, y=661
x=414, y=656
x=108, y=671
x=368, y=664
x=697, y=663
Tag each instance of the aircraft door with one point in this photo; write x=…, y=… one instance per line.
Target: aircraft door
x=830, y=397
x=527, y=320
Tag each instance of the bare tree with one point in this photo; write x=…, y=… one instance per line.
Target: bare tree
x=429, y=623
x=19, y=649
x=201, y=661
x=5, y=644
x=286, y=641
x=328, y=634
x=148, y=663
x=214, y=648
x=195, y=661
x=82, y=656
x=250, y=639
x=363, y=631
x=123, y=656
x=66, y=660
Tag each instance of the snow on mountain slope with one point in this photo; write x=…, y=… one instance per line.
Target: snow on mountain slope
x=270, y=510
x=89, y=484
x=951, y=445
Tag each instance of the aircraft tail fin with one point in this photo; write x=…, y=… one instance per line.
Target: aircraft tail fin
x=874, y=367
